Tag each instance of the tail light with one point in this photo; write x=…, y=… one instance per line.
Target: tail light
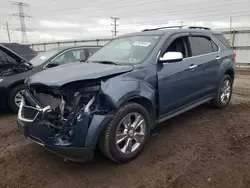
x=234, y=56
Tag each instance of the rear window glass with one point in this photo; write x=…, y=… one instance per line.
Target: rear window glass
x=221, y=38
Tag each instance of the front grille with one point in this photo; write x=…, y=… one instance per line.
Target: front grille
x=29, y=113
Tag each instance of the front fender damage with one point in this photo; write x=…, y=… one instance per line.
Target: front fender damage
x=116, y=92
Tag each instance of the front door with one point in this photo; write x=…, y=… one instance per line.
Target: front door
x=177, y=81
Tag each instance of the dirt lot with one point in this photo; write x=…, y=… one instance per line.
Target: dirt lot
x=201, y=148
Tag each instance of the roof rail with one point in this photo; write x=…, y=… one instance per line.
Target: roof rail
x=196, y=27
x=170, y=27
x=178, y=27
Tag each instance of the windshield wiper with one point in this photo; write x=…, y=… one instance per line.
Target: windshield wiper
x=107, y=62
x=84, y=60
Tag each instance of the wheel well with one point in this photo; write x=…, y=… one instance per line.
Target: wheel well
x=14, y=85
x=146, y=103
x=230, y=72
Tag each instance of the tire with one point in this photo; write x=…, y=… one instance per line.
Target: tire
x=11, y=99
x=217, y=101
x=109, y=138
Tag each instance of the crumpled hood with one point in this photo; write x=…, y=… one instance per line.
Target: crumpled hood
x=63, y=74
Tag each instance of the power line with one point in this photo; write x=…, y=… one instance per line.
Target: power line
x=22, y=16
x=176, y=13
x=98, y=4
x=114, y=31
x=163, y=20
x=141, y=5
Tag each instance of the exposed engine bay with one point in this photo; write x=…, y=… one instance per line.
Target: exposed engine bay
x=11, y=69
x=60, y=109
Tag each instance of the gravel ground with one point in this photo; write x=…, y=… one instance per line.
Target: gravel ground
x=201, y=148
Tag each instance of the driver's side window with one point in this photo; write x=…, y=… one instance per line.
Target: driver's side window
x=180, y=45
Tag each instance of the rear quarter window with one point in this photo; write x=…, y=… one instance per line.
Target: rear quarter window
x=222, y=39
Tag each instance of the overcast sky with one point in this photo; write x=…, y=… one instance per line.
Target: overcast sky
x=55, y=20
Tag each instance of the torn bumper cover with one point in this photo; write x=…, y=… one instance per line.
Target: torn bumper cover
x=74, y=140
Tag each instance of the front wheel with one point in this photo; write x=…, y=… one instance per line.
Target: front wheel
x=15, y=97
x=224, y=93
x=126, y=134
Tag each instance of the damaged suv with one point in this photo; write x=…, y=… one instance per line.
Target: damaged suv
x=116, y=98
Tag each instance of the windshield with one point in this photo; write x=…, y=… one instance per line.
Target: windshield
x=127, y=50
x=43, y=56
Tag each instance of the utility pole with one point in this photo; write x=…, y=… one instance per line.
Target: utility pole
x=114, y=31
x=22, y=16
x=8, y=31
x=231, y=22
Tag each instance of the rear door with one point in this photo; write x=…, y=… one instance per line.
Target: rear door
x=177, y=81
x=207, y=56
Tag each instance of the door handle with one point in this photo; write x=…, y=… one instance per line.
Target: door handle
x=218, y=58
x=192, y=66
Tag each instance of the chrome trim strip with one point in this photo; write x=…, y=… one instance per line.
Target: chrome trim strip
x=39, y=110
x=219, y=50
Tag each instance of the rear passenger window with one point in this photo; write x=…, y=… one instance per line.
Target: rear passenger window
x=202, y=45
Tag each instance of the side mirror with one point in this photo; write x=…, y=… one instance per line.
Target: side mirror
x=52, y=64
x=171, y=57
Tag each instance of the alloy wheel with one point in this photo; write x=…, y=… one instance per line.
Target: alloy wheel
x=18, y=97
x=130, y=134
x=225, y=91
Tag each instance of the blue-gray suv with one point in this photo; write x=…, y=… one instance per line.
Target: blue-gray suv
x=114, y=99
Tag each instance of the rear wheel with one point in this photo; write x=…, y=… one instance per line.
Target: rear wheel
x=126, y=134
x=224, y=93
x=15, y=97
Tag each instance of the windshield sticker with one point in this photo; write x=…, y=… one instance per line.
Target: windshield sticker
x=43, y=57
x=139, y=43
x=133, y=60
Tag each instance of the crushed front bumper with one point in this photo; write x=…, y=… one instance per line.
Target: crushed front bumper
x=79, y=148
x=79, y=154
